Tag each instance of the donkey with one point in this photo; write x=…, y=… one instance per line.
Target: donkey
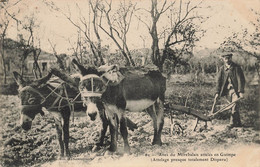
x=35, y=95
x=119, y=92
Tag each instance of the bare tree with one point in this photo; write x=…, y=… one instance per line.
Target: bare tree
x=36, y=50
x=83, y=27
x=246, y=42
x=59, y=60
x=3, y=28
x=5, y=19
x=29, y=45
x=179, y=37
x=96, y=22
x=118, y=26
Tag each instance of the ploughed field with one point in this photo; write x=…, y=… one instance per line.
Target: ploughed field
x=40, y=147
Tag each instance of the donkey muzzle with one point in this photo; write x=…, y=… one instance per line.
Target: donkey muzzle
x=92, y=111
x=26, y=125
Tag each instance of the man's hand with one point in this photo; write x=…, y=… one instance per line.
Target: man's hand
x=241, y=95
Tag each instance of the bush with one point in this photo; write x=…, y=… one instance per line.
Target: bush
x=9, y=89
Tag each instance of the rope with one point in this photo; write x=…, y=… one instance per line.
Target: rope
x=60, y=98
x=53, y=91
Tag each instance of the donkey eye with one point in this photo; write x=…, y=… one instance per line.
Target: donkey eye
x=31, y=100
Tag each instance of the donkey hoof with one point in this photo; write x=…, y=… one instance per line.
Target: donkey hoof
x=67, y=157
x=127, y=150
x=61, y=158
x=107, y=153
x=64, y=157
x=112, y=149
x=157, y=143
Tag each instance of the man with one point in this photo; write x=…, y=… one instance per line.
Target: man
x=231, y=83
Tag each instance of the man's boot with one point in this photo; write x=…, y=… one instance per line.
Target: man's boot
x=236, y=119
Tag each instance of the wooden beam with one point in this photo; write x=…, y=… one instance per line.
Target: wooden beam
x=190, y=111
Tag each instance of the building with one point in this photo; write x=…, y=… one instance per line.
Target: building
x=45, y=61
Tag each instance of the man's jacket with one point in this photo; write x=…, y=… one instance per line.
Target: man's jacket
x=236, y=76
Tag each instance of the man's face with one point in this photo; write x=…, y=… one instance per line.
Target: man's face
x=227, y=60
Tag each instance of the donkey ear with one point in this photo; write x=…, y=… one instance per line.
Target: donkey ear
x=81, y=68
x=75, y=61
x=18, y=78
x=43, y=80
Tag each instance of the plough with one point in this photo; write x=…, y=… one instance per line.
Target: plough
x=199, y=116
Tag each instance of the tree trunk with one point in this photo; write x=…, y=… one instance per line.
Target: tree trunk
x=100, y=53
x=59, y=62
x=3, y=61
x=203, y=68
x=4, y=68
x=217, y=69
x=155, y=47
x=129, y=56
x=257, y=66
x=36, y=65
x=22, y=66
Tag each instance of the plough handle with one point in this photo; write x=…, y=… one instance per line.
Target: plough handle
x=224, y=108
x=213, y=106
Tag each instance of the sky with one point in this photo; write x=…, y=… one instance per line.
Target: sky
x=224, y=18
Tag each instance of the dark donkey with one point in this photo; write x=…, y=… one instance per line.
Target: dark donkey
x=57, y=98
x=133, y=92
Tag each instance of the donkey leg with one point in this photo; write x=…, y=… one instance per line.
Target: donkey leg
x=160, y=120
x=59, y=130
x=103, y=132
x=113, y=122
x=102, y=136
x=104, y=126
x=66, y=121
x=124, y=133
x=152, y=113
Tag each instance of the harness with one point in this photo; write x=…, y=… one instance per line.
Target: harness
x=59, y=99
x=92, y=93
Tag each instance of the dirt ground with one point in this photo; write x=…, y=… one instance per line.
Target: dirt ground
x=39, y=147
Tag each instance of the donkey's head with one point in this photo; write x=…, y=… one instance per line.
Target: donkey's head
x=91, y=87
x=31, y=98
x=93, y=83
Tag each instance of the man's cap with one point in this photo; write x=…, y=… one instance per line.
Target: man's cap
x=227, y=55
